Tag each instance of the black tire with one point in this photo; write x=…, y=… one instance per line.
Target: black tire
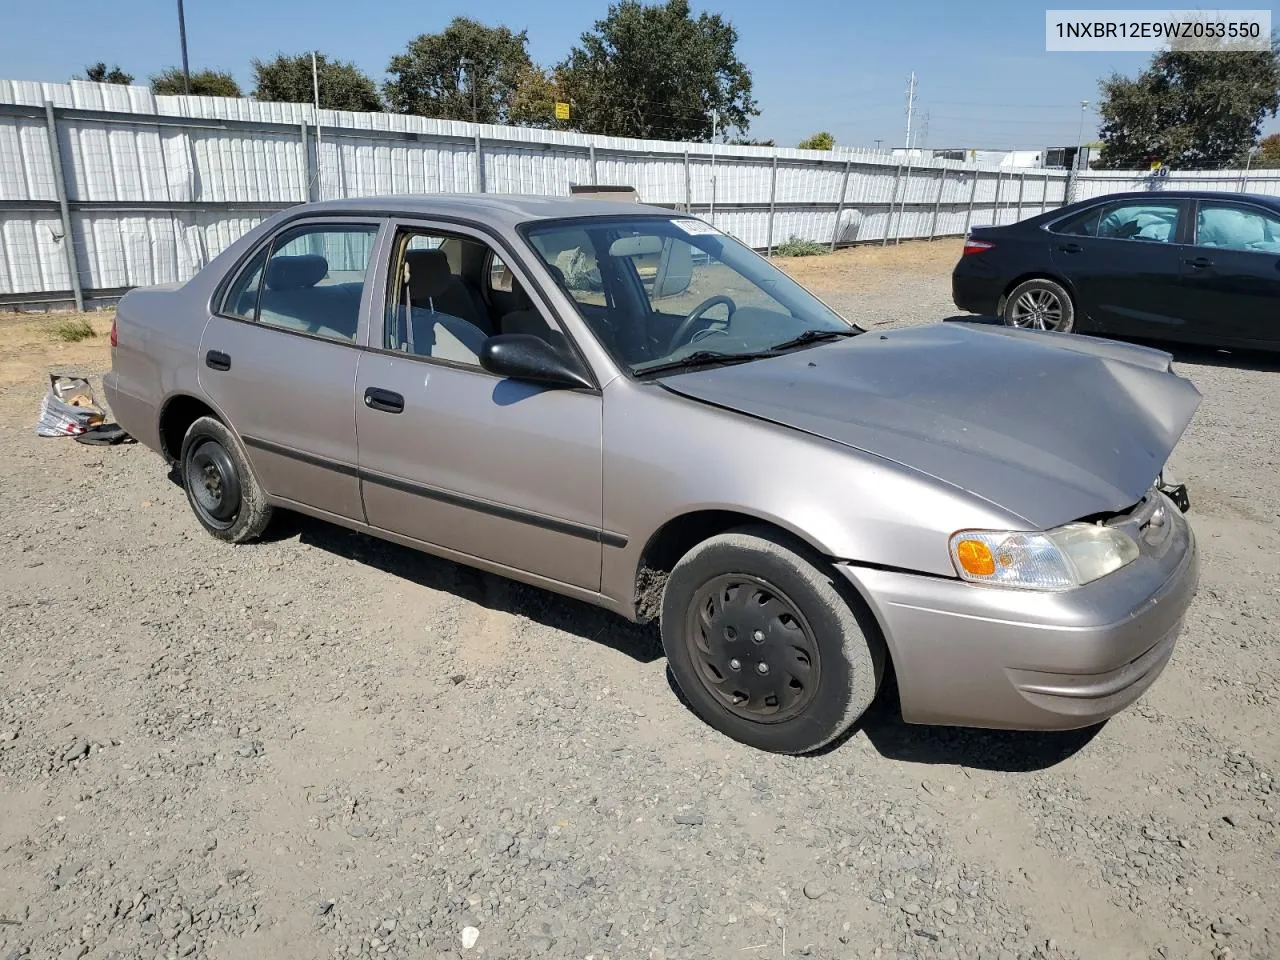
x=837, y=667
x=220, y=487
x=1040, y=304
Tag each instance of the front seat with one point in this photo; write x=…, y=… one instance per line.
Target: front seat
x=433, y=286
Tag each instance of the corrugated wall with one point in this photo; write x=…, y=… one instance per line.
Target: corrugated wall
x=158, y=185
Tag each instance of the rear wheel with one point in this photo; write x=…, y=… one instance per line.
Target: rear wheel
x=764, y=646
x=220, y=487
x=1040, y=304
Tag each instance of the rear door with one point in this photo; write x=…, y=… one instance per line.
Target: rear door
x=1231, y=275
x=1122, y=261
x=279, y=356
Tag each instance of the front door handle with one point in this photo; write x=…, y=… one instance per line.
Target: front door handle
x=1198, y=262
x=217, y=360
x=388, y=401
x=1071, y=248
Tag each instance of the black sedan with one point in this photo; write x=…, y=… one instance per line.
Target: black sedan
x=1175, y=265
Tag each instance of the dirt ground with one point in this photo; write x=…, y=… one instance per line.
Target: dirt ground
x=326, y=746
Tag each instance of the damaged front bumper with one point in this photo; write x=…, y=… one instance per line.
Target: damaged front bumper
x=974, y=655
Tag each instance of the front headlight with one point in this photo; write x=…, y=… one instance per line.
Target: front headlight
x=1060, y=559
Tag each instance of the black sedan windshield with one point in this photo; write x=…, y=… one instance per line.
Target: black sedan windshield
x=659, y=291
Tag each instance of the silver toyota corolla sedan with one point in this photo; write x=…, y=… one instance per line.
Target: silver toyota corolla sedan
x=622, y=404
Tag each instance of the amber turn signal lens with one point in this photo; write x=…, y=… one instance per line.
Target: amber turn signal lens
x=975, y=557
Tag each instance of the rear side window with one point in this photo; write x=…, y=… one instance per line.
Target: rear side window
x=241, y=300
x=1156, y=222
x=1083, y=224
x=314, y=280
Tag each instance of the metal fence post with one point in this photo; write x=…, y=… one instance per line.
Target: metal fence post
x=1069, y=193
x=973, y=195
x=592, y=160
x=308, y=178
x=1022, y=182
x=1044, y=193
x=893, y=199
x=995, y=202
x=902, y=204
x=937, y=204
x=773, y=200
x=688, y=185
x=479, y=165
x=844, y=190
x=69, y=249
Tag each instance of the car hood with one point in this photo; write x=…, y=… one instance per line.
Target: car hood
x=1051, y=427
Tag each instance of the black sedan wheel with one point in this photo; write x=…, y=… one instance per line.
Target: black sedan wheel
x=765, y=646
x=222, y=491
x=1040, y=305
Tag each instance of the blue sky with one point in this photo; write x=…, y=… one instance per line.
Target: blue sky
x=985, y=79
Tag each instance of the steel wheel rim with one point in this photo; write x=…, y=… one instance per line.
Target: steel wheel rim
x=1037, y=309
x=752, y=648
x=214, y=484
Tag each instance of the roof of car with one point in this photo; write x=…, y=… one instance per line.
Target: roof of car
x=1188, y=195
x=506, y=209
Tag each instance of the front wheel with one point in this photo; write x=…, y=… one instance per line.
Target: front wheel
x=222, y=491
x=764, y=646
x=1040, y=304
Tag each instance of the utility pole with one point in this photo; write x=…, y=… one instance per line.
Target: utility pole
x=182, y=36
x=1084, y=105
x=715, y=126
x=911, y=105
x=878, y=142
x=315, y=89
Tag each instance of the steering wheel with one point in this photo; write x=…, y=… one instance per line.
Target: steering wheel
x=682, y=332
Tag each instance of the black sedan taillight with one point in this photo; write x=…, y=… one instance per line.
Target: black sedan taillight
x=972, y=246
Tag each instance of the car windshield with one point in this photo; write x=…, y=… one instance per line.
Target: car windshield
x=664, y=294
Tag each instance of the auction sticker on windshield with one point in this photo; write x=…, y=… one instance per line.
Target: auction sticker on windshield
x=695, y=228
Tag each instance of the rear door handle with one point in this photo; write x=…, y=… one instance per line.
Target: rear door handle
x=1198, y=262
x=217, y=360
x=1071, y=248
x=388, y=401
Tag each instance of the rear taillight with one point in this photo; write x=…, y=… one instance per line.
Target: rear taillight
x=114, y=338
x=975, y=246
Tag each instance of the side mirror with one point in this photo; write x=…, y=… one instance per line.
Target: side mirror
x=522, y=356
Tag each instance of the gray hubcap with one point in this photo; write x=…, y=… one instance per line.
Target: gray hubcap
x=1037, y=309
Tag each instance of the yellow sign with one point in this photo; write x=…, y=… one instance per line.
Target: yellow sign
x=562, y=110
x=1156, y=164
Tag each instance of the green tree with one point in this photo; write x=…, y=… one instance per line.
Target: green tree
x=822, y=140
x=343, y=86
x=1268, y=154
x=657, y=71
x=1189, y=110
x=533, y=101
x=434, y=76
x=101, y=73
x=204, y=83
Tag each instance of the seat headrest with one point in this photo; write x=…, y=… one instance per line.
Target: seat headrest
x=429, y=273
x=293, y=273
x=520, y=295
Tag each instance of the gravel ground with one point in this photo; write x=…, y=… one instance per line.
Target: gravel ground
x=326, y=746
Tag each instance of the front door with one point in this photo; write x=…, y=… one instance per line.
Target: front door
x=453, y=456
x=1231, y=276
x=1122, y=262
x=278, y=358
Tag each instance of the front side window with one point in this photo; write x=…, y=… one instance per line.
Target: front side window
x=660, y=293
x=1156, y=222
x=313, y=280
x=1231, y=226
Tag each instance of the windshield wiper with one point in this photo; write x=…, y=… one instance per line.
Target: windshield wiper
x=814, y=336
x=704, y=358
